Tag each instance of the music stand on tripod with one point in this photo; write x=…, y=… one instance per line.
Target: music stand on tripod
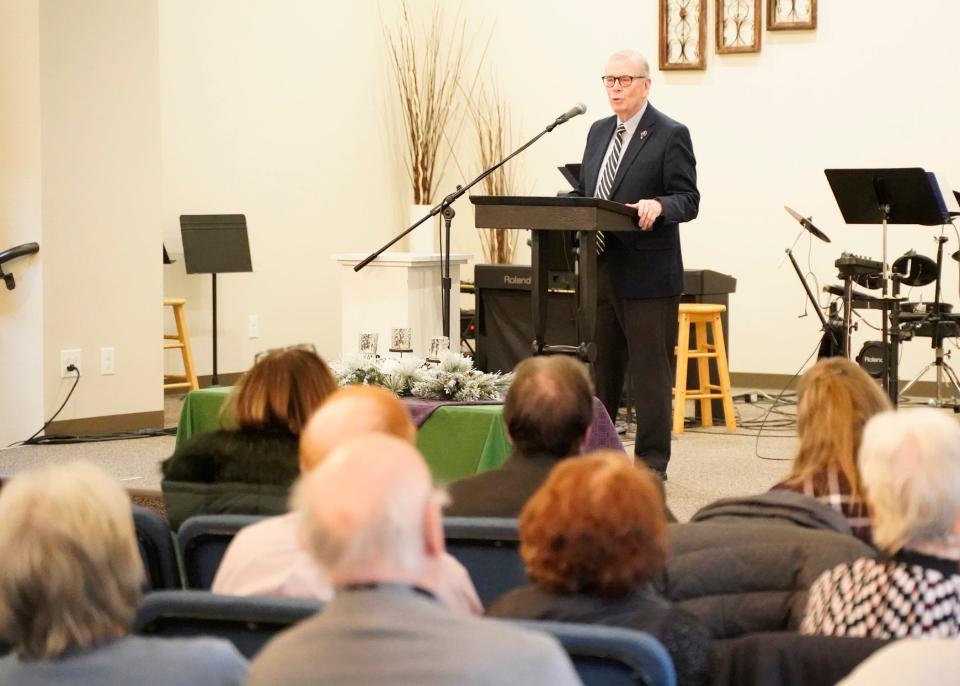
x=215, y=244
x=887, y=196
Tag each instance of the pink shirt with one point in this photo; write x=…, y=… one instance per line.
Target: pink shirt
x=266, y=558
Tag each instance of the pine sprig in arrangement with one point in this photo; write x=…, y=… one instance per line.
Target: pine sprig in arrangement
x=454, y=378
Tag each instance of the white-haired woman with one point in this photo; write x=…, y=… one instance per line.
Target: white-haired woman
x=910, y=465
x=70, y=580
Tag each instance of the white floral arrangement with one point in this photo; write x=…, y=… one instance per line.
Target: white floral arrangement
x=453, y=378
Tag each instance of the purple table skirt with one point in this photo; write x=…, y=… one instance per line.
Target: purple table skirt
x=603, y=434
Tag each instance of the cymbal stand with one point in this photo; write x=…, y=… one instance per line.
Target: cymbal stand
x=943, y=368
x=828, y=331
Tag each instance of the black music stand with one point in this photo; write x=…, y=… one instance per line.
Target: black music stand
x=887, y=196
x=215, y=244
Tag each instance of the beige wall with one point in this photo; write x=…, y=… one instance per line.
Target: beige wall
x=275, y=109
x=100, y=127
x=21, y=310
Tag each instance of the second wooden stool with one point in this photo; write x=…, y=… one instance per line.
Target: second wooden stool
x=702, y=317
x=182, y=341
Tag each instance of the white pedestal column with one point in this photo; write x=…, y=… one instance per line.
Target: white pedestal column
x=397, y=290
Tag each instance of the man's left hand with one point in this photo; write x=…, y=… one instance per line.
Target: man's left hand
x=647, y=212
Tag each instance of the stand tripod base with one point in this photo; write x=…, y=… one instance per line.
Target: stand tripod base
x=946, y=378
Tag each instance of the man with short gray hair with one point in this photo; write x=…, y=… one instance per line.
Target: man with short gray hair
x=372, y=520
x=644, y=159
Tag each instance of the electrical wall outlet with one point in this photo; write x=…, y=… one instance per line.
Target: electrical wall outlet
x=253, y=326
x=107, y=360
x=67, y=358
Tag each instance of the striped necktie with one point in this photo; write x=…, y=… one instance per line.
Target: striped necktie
x=606, y=179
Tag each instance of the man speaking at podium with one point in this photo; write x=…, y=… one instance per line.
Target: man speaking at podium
x=644, y=159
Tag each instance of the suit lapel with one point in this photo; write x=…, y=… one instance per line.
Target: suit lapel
x=640, y=137
x=591, y=171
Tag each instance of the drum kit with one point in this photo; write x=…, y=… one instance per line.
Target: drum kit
x=906, y=321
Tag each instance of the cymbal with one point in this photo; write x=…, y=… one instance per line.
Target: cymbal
x=807, y=224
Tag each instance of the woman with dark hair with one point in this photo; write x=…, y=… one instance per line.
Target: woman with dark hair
x=836, y=399
x=249, y=469
x=594, y=538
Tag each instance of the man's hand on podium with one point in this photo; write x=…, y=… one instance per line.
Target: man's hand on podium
x=647, y=212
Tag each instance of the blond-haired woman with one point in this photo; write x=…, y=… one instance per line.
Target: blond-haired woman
x=836, y=398
x=249, y=469
x=910, y=462
x=70, y=581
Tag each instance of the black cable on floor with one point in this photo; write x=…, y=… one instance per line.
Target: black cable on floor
x=33, y=439
x=756, y=445
x=119, y=436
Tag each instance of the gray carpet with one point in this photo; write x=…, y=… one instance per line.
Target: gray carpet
x=707, y=463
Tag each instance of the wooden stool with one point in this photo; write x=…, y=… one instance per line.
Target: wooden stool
x=189, y=378
x=701, y=316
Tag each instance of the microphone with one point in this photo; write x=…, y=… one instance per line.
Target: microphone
x=574, y=111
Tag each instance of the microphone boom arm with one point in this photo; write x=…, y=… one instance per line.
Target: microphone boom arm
x=446, y=209
x=449, y=200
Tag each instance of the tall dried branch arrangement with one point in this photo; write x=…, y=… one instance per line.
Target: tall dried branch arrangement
x=427, y=67
x=491, y=120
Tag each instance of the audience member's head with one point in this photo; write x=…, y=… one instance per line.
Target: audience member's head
x=281, y=391
x=597, y=526
x=549, y=406
x=836, y=398
x=910, y=463
x=351, y=412
x=71, y=574
x=370, y=514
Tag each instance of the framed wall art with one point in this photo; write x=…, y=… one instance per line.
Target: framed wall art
x=791, y=15
x=683, y=34
x=738, y=26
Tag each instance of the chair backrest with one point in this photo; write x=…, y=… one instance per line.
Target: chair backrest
x=610, y=656
x=247, y=622
x=489, y=548
x=203, y=541
x=156, y=549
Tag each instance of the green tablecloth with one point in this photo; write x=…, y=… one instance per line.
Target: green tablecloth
x=457, y=440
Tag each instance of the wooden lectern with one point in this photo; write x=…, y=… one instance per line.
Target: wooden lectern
x=586, y=216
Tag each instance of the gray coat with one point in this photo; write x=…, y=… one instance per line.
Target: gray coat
x=747, y=565
x=393, y=635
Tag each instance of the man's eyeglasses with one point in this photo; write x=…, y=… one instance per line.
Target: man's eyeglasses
x=309, y=347
x=624, y=81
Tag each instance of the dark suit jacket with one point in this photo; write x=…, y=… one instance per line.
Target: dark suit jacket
x=500, y=492
x=658, y=163
x=503, y=492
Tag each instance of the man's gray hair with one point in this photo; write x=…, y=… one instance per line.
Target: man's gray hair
x=910, y=464
x=637, y=58
x=71, y=574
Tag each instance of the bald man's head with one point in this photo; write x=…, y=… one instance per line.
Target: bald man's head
x=351, y=412
x=368, y=511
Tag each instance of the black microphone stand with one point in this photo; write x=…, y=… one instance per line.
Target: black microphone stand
x=445, y=208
